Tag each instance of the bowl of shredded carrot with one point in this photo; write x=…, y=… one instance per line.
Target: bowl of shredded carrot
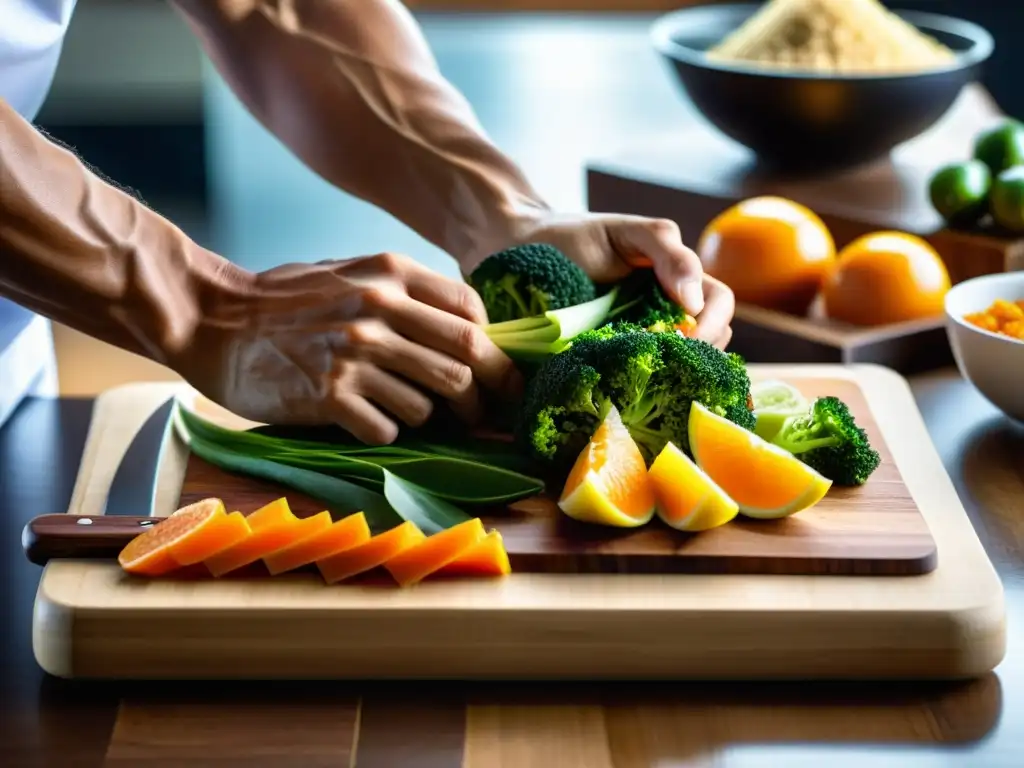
x=985, y=323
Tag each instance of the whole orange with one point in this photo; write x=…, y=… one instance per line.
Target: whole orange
x=886, y=277
x=771, y=251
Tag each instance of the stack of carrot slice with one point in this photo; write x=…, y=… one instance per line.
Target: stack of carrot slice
x=203, y=533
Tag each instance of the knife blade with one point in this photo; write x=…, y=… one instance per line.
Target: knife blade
x=127, y=510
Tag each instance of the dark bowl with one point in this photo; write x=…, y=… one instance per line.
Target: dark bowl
x=803, y=120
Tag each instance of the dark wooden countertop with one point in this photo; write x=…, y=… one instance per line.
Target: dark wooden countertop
x=49, y=722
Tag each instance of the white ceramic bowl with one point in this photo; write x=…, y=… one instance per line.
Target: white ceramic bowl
x=992, y=362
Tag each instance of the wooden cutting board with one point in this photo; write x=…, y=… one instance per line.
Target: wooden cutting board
x=92, y=620
x=874, y=529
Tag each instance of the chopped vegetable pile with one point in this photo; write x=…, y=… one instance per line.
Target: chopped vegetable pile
x=410, y=507
x=652, y=378
x=204, y=535
x=1001, y=316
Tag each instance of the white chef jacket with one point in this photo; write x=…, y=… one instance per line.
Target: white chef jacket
x=31, y=37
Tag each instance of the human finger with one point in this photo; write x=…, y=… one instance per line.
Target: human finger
x=452, y=296
x=456, y=337
x=355, y=414
x=375, y=342
x=677, y=267
x=396, y=396
x=719, y=307
x=723, y=340
x=422, y=283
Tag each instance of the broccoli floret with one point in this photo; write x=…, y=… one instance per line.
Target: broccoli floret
x=643, y=302
x=651, y=378
x=529, y=280
x=828, y=439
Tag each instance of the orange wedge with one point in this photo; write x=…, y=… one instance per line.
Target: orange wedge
x=370, y=554
x=485, y=558
x=419, y=561
x=184, y=538
x=608, y=484
x=763, y=479
x=271, y=529
x=688, y=500
x=344, y=534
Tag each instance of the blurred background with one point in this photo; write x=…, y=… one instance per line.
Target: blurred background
x=555, y=82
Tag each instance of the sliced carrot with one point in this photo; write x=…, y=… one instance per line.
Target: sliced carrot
x=295, y=531
x=417, y=562
x=271, y=529
x=344, y=534
x=274, y=513
x=370, y=554
x=219, y=535
x=151, y=552
x=485, y=558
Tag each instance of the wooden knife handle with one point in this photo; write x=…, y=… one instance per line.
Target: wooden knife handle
x=80, y=536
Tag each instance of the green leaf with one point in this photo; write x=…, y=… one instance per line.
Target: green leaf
x=471, y=470
x=339, y=496
x=413, y=503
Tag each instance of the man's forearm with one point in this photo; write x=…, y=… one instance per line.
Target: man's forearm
x=352, y=88
x=84, y=253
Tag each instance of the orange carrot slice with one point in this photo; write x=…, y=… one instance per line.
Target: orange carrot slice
x=274, y=513
x=177, y=537
x=218, y=536
x=271, y=529
x=370, y=554
x=303, y=529
x=344, y=534
x=419, y=561
x=485, y=558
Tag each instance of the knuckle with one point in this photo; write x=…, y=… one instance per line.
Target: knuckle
x=664, y=227
x=470, y=341
x=457, y=377
x=467, y=301
x=390, y=263
x=364, y=333
x=378, y=297
x=346, y=379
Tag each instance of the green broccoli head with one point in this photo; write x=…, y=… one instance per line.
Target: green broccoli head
x=651, y=378
x=529, y=280
x=643, y=302
x=828, y=439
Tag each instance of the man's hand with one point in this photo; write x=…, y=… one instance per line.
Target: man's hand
x=608, y=247
x=358, y=343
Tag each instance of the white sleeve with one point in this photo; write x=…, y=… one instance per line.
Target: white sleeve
x=31, y=37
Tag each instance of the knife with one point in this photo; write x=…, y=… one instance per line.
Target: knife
x=127, y=511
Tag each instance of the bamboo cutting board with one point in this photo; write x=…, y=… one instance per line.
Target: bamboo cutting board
x=91, y=620
x=874, y=529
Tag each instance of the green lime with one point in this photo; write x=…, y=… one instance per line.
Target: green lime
x=959, y=192
x=1007, y=199
x=1001, y=147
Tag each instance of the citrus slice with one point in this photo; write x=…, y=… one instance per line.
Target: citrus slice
x=341, y=535
x=774, y=402
x=183, y=538
x=764, y=480
x=370, y=554
x=608, y=483
x=271, y=527
x=687, y=499
x=485, y=558
x=420, y=560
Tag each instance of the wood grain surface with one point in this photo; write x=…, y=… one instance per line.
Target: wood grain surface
x=873, y=529
x=92, y=620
